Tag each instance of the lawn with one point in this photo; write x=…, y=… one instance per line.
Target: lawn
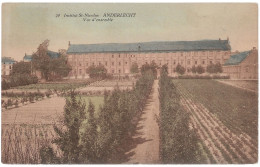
x=236, y=108
x=96, y=100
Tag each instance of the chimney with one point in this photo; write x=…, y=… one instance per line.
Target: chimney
x=69, y=43
x=219, y=39
x=227, y=38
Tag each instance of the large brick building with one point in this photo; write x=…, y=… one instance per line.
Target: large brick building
x=242, y=65
x=118, y=57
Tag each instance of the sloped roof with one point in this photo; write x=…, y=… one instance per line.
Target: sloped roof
x=27, y=57
x=8, y=60
x=49, y=53
x=151, y=46
x=53, y=54
x=236, y=58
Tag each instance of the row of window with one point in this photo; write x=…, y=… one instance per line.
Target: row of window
x=99, y=63
x=81, y=71
x=160, y=62
x=181, y=54
x=10, y=67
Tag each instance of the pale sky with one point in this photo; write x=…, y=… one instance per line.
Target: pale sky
x=25, y=26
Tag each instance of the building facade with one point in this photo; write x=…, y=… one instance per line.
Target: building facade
x=7, y=65
x=118, y=57
x=242, y=65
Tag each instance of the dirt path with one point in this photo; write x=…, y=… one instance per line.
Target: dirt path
x=147, y=151
x=40, y=112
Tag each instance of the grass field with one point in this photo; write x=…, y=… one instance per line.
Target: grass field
x=236, y=108
x=224, y=117
x=96, y=100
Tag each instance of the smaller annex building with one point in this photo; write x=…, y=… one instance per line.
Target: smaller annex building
x=7, y=65
x=243, y=65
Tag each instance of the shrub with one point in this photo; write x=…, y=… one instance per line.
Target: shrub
x=200, y=69
x=214, y=68
x=5, y=85
x=9, y=102
x=180, y=69
x=179, y=144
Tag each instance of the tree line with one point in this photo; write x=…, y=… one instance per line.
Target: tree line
x=211, y=68
x=178, y=143
x=88, y=136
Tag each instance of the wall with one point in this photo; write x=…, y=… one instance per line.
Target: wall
x=120, y=63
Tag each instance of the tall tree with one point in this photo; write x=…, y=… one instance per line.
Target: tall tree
x=50, y=67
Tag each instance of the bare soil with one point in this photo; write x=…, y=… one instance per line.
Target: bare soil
x=41, y=112
x=223, y=145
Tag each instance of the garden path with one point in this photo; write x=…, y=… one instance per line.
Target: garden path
x=147, y=151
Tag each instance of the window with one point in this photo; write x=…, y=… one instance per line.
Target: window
x=10, y=67
x=112, y=56
x=182, y=62
x=112, y=63
x=106, y=63
x=174, y=62
x=119, y=55
x=188, y=62
x=86, y=63
x=79, y=71
x=113, y=71
x=93, y=63
x=119, y=63
x=247, y=69
x=210, y=61
x=119, y=71
x=126, y=62
x=196, y=61
x=99, y=63
x=203, y=62
x=79, y=64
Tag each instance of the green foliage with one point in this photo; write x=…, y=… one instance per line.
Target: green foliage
x=50, y=68
x=214, y=68
x=21, y=68
x=22, y=79
x=5, y=85
x=193, y=69
x=89, y=139
x=146, y=67
x=179, y=144
x=59, y=67
x=180, y=69
x=68, y=139
x=200, y=69
x=97, y=71
x=134, y=68
x=48, y=156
